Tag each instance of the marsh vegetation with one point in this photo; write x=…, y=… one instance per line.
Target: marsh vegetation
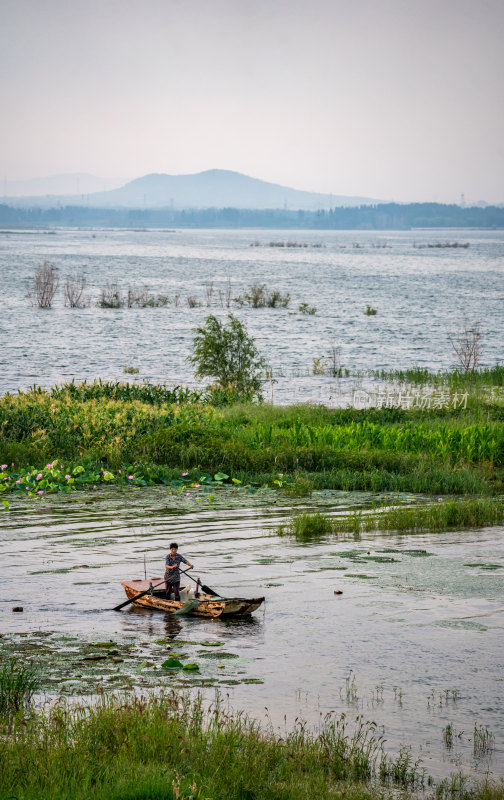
x=111, y=426
x=442, y=515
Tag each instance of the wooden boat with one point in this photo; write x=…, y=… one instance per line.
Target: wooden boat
x=205, y=605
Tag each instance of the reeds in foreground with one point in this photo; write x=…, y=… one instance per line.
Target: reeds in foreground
x=169, y=746
x=18, y=684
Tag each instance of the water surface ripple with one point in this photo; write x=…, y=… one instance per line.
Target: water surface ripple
x=420, y=293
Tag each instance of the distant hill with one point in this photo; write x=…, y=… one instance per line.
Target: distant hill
x=214, y=188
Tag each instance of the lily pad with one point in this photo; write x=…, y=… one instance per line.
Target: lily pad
x=485, y=566
x=221, y=476
x=172, y=663
x=211, y=644
x=361, y=575
x=190, y=667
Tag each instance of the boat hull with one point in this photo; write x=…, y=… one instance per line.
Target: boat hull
x=208, y=607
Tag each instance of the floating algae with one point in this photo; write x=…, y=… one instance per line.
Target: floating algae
x=461, y=624
x=220, y=655
x=381, y=559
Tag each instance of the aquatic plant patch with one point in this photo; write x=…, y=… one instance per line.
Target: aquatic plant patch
x=440, y=516
x=56, y=477
x=46, y=662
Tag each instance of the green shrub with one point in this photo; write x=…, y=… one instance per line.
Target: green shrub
x=228, y=354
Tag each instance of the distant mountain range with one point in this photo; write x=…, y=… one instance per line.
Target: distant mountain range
x=214, y=188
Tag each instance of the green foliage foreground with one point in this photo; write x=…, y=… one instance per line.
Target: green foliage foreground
x=169, y=748
x=18, y=684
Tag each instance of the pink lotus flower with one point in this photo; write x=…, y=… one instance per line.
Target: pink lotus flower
x=184, y=474
x=48, y=466
x=4, y=466
x=197, y=485
x=94, y=487
x=67, y=477
x=39, y=476
x=130, y=477
x=19, y=480
x=188, y=494
x=40, y=491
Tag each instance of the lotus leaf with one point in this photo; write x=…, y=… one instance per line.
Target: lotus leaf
x=221, y=476
x=172, y=663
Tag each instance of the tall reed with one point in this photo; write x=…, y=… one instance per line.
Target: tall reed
x=169, y=747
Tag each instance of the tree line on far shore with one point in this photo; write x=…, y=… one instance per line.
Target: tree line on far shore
x=385, y=216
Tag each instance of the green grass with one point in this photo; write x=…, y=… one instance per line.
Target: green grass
x=153, y=432
x=167, y=747
x=485, y=376
x=441, y=516
x=18, y=684
x=308, y=525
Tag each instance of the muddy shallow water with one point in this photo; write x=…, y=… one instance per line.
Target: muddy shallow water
x=413, y=643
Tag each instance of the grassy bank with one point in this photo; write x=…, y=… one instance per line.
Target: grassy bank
x=169, y=748
x=155, y=434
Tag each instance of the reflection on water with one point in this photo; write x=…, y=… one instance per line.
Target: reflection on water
x=419, y=623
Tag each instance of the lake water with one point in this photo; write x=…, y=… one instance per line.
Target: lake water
x=413, y=643
x=420, y=293
x=415, y=640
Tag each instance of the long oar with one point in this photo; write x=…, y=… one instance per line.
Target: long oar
x=205, y=588
x=132, y=599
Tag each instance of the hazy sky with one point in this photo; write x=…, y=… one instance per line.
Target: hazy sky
x=392, y=99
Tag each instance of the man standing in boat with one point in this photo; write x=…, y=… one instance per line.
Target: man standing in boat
x=172, y=571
